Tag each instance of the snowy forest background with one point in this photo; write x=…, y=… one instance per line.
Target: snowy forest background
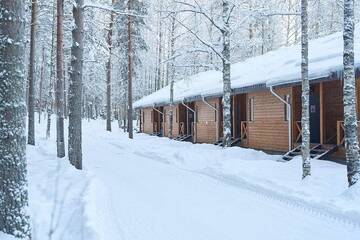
x=131, y=49
x=257, y=26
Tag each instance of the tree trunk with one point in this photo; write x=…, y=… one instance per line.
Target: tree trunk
x=42, y=76
x=172, y=76
x=31, y=81
x=13, y=175
x=59, y=82
x=75, y=87
x=108, y=74
x=130, y=69
x=305, y=120
x=49, y=101
x=158, y=78
x=350, y=118
x=226, y=76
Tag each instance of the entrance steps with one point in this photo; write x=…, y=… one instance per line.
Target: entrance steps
x=183, y=138
x=157, y=134
x=233, y=142
x=318, y=151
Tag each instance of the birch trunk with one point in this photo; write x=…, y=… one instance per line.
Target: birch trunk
x=172, y=76
x=226, y=76
x=305, y=120
x=350, y=119
x=14, y=219
x=108, y=74
x=59, y=82
x=75, y=87
x=130, y=69
x=31, y=81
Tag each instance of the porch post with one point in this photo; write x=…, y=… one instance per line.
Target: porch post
x=322, y=111
x=233, y=116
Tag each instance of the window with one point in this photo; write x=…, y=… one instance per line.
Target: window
x=286, y=113
x=215, y=113
x=251, y=109
x=177, y=114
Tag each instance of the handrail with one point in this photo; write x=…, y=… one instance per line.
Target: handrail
x=244, y=130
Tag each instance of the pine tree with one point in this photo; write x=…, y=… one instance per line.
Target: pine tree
x=59, y=94
x=350, y=119
x=75, y=88
x=31, y=82
x=305, y=120
x=13, y=181
x=130, y=45
x=108, y=72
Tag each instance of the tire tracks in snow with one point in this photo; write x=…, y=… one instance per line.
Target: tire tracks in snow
x=349, y=218
x=317, y=209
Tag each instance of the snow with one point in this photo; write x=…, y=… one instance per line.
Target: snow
x=6, y=237
x=156, y=188
x=274, y=68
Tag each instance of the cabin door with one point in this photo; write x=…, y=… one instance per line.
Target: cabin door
x=314, y=117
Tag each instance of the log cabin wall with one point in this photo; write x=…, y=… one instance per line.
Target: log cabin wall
x=207, y=121
x=269, y=129
x=333, y=109
x=147, y=117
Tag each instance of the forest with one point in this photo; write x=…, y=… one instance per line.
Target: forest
x=112, y=113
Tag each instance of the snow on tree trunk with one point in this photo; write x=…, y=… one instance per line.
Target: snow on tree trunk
x=108, y=74
x=49, y=107
x=14, y=219
x=75, y=87
x=60, y=82
x=172, y=75
x=226, y=76
x=42, y=76
x=305, y=120
x=31, y=81
x=130, y=71
x=350, y=119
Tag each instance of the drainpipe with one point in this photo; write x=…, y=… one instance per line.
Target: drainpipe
x=216, y=111
x=187, y=107
x=289, y=112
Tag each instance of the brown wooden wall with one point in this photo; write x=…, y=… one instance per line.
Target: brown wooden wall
x=269, y=130
x=207, y=121
x=147, y=124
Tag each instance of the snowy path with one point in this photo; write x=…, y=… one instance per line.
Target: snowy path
x=136, y=194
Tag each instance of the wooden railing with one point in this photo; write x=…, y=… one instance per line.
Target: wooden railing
x=182, y=128
x=298, y=130
x=155, y=127
x=340, y=133
x=244, y=130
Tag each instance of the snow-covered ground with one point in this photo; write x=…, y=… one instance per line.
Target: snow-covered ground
x=157, y=189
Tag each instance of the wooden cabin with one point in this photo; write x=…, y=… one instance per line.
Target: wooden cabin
x=259, y=119
x=265, y=104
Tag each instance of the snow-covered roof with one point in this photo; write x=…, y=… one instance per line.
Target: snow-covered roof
x=274, y=68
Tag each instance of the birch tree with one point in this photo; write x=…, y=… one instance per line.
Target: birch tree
x=59, y=93
x=31, y=81
x=350, y=119
x=75, y=88
x=224, y=27
x=305, y=119
x=108, y=72
x=14, y=219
